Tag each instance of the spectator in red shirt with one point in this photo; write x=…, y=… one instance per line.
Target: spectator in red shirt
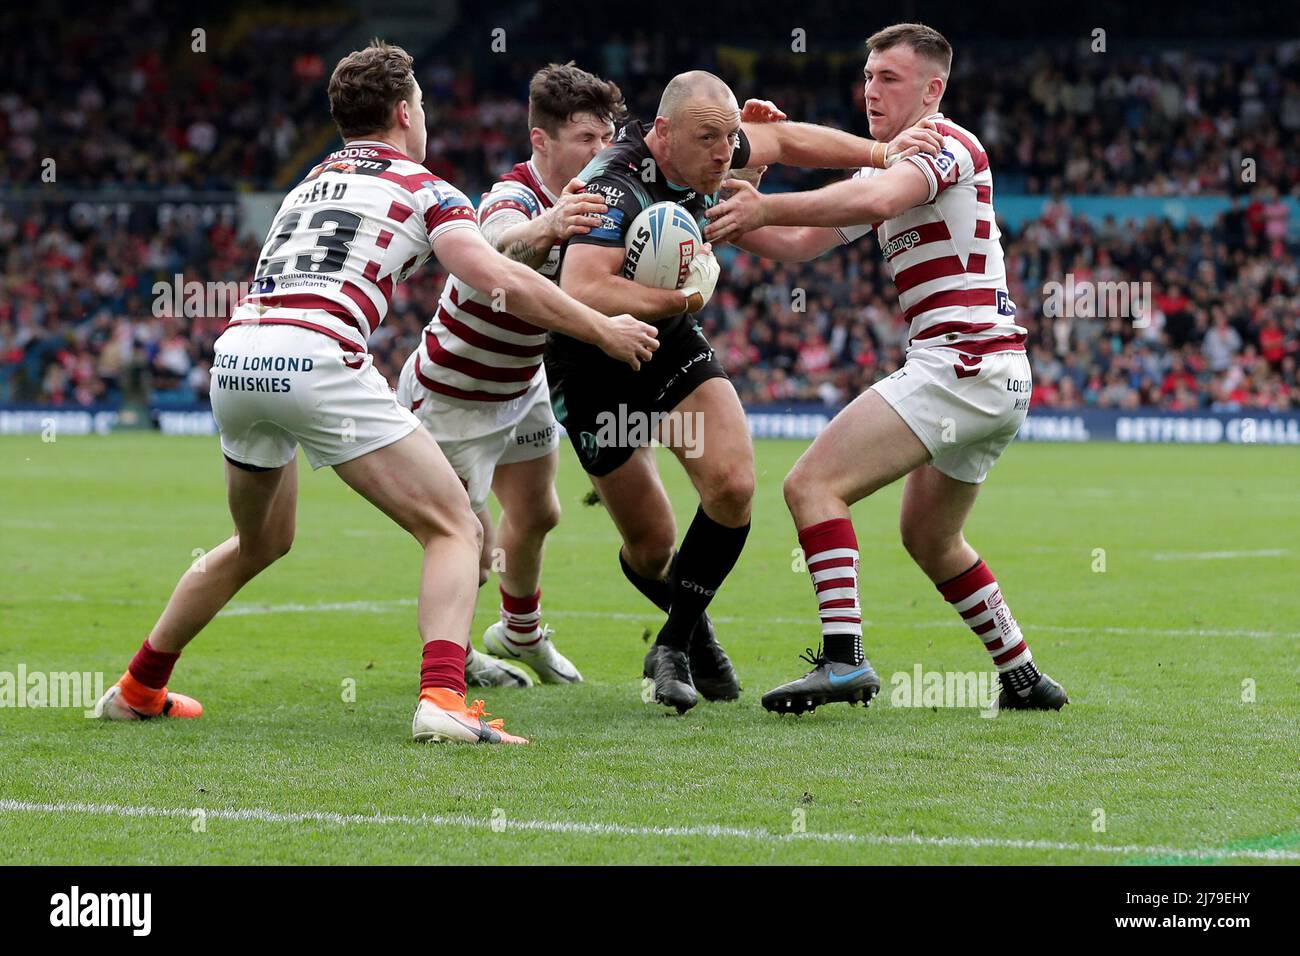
x=1272, y=342
x=1044, y=394
x=1178, y=377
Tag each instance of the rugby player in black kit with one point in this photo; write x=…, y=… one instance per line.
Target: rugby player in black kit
x=699, y=135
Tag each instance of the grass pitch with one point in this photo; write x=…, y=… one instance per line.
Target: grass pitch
x=1180, y=657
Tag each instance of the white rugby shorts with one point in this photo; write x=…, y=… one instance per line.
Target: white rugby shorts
x=478, y=436
x=275, y=387
x=965, y=408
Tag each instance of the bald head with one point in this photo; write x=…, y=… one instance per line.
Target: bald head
x=696, y=88
x=696, y=131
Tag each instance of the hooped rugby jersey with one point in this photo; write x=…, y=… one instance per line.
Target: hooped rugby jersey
x=474, y=350
x=363, y=219
x=944, y=255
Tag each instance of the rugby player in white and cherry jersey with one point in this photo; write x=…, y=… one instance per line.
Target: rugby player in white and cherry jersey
x=946, y=416
x=476, y=380
x=292, y=368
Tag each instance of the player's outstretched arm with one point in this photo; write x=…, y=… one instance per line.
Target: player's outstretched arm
x=789, y=243
x=529, y=241
x=812, y=146
x=466, y=255
x=848, y=203
x=591, y=274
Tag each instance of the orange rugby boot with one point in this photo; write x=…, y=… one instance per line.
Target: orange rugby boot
x=442, y=715
x=128, y=699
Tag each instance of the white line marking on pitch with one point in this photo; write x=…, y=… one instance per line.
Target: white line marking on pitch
x=377, y=607
x=614, y=829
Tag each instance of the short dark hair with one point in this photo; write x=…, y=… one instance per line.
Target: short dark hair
x=366, y=85
x=926, y=41
x=559, y=91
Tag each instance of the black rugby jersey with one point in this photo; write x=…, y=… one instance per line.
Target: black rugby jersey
x=626, y=176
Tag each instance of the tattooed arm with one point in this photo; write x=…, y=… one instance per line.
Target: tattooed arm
x=524, y=240
x=529, y=240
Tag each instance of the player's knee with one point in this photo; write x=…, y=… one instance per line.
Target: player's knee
x=651, y=553
x=435, y=523
x=551, y=513
x=466, y=525
x=258, y=553
x=542, y=517
x=790, y=489
x=730, y=494
x=925, y=546
x=799, y=491
x=914, y=538
x=283, y=544
x=810, y=495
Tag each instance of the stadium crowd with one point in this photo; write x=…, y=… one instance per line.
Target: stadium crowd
x=137, y=106
x=128, y=96
x=1051, y=121
x=79, y=323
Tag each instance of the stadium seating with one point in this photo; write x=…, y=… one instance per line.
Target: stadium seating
x=77, y=315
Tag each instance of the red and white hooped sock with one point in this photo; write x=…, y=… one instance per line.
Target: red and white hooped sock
x=522, y=617
x=830, y=551
x=975, y=596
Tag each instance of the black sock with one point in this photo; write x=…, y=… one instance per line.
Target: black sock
x=844, y=648
x=659, y=591
x=708, y=553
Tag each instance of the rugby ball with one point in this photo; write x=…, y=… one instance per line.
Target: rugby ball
x=660, y=245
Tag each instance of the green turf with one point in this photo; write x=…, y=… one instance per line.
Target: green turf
x=1154, y=652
